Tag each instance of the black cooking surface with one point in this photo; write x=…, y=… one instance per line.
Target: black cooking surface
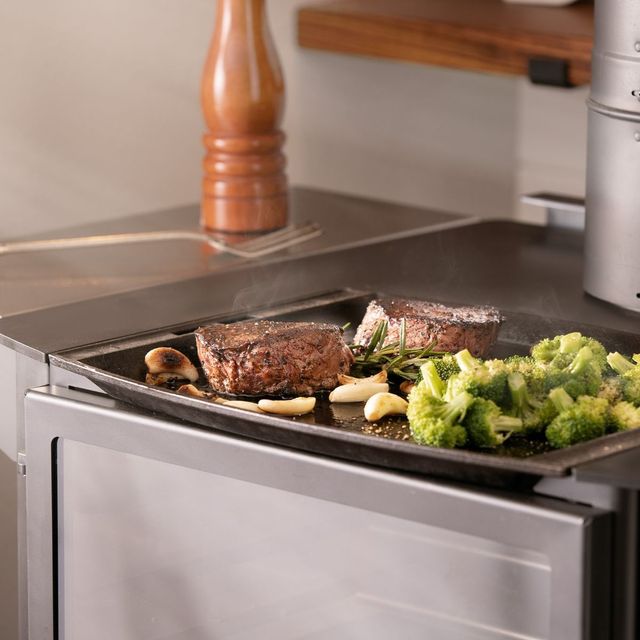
x=340, y=430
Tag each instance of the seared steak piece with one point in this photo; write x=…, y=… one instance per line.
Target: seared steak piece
x=272, y=358
x=450, y=328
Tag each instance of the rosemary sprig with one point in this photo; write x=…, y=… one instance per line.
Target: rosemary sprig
x=395, y=358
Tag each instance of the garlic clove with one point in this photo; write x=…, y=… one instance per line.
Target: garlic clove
x=194, y=392
x=294, y=407
x=357, y=392
x=384, y=404
x=381, y=376
x=242, y=404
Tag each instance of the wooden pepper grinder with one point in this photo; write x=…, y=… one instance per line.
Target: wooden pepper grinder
x=244, y=186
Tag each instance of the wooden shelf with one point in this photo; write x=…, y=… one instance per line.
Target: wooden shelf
x=478, y=35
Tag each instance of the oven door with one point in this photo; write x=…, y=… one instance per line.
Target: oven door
x=142, y=527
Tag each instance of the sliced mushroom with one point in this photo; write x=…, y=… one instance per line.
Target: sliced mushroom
x=357, y=392
x=384, y=404
x=381, y=376
x=158, y=379
x=194, y=392
x=295, y=407
x=170, y=361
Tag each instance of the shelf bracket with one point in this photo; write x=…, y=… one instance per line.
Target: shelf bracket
x=551, y=72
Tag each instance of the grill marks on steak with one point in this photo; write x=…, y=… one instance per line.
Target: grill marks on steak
x=451, y=328
x=272, y=358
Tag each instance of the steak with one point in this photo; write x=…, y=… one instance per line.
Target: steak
x=267, y=358
x=446, y=328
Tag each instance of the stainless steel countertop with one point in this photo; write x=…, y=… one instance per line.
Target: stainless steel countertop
x=32, y=281
x=516, y=267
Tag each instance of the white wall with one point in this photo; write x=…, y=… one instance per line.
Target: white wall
x=99, y=118
x=551, y=143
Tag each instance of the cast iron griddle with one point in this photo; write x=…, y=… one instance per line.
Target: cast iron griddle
x=340, y=430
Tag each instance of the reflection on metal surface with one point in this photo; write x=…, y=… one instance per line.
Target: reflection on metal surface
x=253, y=248
x=45, y=279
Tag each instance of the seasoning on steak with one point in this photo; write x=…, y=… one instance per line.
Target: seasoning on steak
x=448, y=328
x=272, y=358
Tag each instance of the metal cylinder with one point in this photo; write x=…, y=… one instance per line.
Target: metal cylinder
x=612, y=234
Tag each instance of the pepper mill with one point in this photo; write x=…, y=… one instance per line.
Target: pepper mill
x=244, y=185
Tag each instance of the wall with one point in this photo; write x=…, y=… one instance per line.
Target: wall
x=551, y=145
x=99, y=118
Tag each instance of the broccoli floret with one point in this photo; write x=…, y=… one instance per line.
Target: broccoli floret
x=577, y=420
x=561, y=350
x=598, y=351
x=611, y=389
x=486, y=425
x=466, y=361
x=533, y=372
x=483, y=380
x=581, y=377
x=433, y=421
x=548, y=411
x=623, y=416
x=546, y=350
x=446, y=366
x=523, y=406
x=431, y=380
x=630, y=376
x=620, y=364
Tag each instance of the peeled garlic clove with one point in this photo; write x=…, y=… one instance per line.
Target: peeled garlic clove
x=357, y=392
x=384, y=404
x=406, y=386
x=168, y=360
x=295, y=407
x=381, y=376
x=194, y=392
x=242, y=404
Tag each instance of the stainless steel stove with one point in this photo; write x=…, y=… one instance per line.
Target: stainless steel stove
x=140, y=525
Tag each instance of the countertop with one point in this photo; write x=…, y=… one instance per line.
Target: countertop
x=31, y=281
x=516, y=267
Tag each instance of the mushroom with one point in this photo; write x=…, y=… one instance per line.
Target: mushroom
x=165, y=360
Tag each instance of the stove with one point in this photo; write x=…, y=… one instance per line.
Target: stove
x=142, y=520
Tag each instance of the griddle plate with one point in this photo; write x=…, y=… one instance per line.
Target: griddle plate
x=340, y=430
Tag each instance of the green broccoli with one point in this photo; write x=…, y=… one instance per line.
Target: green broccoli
x=486, y=425
x=577, y=420
x=523, y=406
x=433, y=421
x=581, y=377
x=561, y=350
x=630, y=374
x=483, y=380
x=533, y=372
x=446, y=366
x=611, y=389
x=431, y=379
x=624, y=416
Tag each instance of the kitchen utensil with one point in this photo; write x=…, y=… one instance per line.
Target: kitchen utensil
x=254, y=248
